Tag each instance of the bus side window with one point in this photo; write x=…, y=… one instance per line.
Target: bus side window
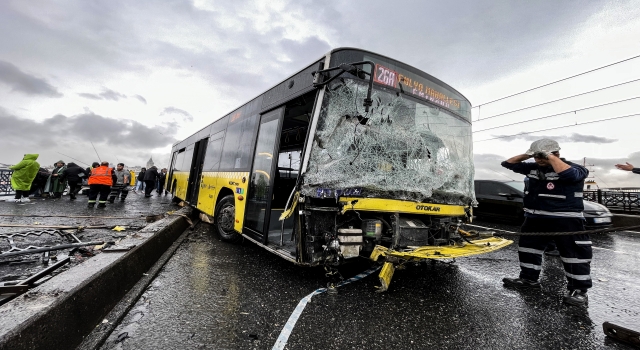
x=238, y=144
x=212, y=157
x=179, y=161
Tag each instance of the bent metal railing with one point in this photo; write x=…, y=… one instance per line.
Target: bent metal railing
x=5, y=182
x=625, y=200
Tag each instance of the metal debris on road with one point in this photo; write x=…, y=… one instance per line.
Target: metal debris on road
x=622, y=334
x=31, y=250
x=119, y=249
x=9, y=292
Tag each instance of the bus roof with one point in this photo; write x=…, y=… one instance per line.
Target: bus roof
x=333, y=51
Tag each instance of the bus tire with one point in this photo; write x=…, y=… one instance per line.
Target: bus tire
x=225, y=217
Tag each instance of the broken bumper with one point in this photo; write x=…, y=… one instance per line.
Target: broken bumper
x=394, y=257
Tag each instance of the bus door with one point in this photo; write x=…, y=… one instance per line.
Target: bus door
x=169, y=182
x=265, y=161
x=196, y=170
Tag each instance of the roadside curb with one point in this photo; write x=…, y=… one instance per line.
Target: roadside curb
x=59, y=314
x=103, y=330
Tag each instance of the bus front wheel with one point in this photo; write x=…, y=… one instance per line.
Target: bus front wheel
x=225, y=218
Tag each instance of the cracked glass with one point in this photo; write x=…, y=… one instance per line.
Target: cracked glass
x=400, y=149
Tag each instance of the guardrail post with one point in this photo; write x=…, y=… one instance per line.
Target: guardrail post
x=599, y=196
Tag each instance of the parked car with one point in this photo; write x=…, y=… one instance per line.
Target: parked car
x=503, y=200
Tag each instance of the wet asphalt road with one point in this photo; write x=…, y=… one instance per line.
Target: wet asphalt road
x=216, y=295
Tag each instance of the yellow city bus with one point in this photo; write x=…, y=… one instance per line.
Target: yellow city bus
x=356, y=155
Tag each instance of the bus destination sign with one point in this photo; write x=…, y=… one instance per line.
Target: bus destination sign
x=414, y=85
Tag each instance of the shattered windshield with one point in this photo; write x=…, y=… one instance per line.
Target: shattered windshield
x=400, y=149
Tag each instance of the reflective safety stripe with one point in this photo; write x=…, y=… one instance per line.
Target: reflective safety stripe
x=102, y=202
x=583, y=242
x=92, y=201
x=552, y=195
x=565, y=214
x=533, y=176
x=531, y=266
x=578, y=194
x=578, y=277
x=575, y=260
x=530, y=250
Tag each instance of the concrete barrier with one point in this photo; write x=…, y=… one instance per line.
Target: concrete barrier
x=59, y=313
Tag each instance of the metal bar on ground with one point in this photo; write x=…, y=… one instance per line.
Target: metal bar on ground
x=13, y=289
x=73, y=216
x=48, y=249
x=71, y=227
x=622, y=334
x=44, y=272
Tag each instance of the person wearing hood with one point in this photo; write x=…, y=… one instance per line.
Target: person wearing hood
x=74, y=175
x=55, y=183
x=23, y=175
x=150, y=180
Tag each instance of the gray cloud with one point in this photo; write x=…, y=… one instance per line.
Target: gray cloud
x=561, y=138
x=113, y=138
x=487, y=167
x=173, y=110
x=602, y=170
x=106, y=94
x=140, y=98
x=467, y=42
x=22, y=82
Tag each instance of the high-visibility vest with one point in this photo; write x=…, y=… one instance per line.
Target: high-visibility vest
x=101, y=176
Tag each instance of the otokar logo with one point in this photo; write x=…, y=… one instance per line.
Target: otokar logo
x=427, y=208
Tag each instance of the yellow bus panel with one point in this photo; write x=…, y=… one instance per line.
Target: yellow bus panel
x=400, y=206
x=181, y=178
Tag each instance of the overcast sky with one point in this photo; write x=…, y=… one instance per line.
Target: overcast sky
x=135, y=76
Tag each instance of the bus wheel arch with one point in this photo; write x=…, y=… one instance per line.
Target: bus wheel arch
x=224, y=222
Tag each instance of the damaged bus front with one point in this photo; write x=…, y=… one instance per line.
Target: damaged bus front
x=355, y=155
x=388, y=167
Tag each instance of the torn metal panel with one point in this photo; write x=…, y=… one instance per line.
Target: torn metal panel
x=400, y=149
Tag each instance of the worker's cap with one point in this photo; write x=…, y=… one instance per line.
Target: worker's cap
x=544, y=146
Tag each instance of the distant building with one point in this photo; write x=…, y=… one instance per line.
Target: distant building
x=590, y=185
x=150, y=163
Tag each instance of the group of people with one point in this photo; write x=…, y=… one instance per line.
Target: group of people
x=553, y=203
x=105, y=183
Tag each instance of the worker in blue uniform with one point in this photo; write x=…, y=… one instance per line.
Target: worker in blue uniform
x=552, y=203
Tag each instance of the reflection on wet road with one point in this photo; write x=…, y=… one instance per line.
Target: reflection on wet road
x=216, y=295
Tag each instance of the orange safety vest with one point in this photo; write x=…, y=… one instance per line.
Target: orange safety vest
x=101, y=176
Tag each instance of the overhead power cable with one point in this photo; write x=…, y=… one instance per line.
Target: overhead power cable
x=560, y=127
x=557, y=81
x=557, y=114
x=560, y=99
x=599, y=179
